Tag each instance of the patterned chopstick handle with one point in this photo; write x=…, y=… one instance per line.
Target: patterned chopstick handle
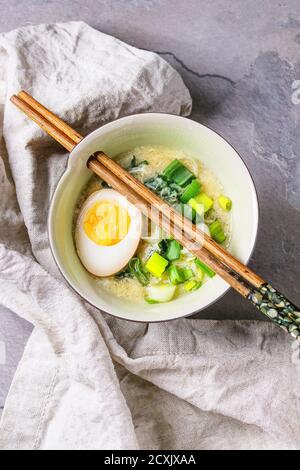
x=278, y=308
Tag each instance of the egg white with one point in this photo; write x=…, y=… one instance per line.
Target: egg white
x=103, y=260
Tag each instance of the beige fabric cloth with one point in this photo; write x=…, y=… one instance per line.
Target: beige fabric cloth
x=87, y=381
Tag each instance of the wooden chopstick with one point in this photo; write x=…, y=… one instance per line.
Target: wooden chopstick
x=157, y=216
x=68, y=137
x=269, y=301
x=42, y=122
x=191, y=229
x=62, y=126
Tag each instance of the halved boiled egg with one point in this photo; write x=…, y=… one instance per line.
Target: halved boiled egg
x=107, y=233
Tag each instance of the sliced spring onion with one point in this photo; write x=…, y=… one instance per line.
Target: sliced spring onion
x=200, y=274
x=183, y=176
x=176, y=172
x=171, y=168
x=225, y=202
x=217, y=232
x=159, y=293
x=198, y=208
x=192, y=190
x=156, y=264
x=187, y=211
x=191, y=164
x=204, y=200
x=178, y=275
x=204, y=268
x=175, y=275
x=192, y=285
x=136, y=269
x=187, y=273
x=170, y=249
x=173, y=250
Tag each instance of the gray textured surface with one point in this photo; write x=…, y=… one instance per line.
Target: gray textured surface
x=239, y=60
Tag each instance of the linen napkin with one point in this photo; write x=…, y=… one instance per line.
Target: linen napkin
x=87, y=380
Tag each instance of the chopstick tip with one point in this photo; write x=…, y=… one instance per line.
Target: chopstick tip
x=13, y=98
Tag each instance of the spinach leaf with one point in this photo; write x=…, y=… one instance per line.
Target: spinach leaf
x=169, y=192
x=135, y=269
x=135, y=166
x=169, y=249
x=124, y=274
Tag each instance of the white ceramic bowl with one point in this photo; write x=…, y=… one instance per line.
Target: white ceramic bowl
x=122, y=135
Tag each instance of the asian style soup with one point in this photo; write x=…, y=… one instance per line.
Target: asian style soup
x=129, y=258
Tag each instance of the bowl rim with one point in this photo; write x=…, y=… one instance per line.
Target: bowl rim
x=68, y=169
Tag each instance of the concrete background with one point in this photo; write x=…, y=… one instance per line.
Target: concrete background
x=239, y=60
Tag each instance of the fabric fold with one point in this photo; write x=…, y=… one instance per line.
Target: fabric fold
x=87, y=380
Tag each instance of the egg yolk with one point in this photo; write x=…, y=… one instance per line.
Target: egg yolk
x=106, y=223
